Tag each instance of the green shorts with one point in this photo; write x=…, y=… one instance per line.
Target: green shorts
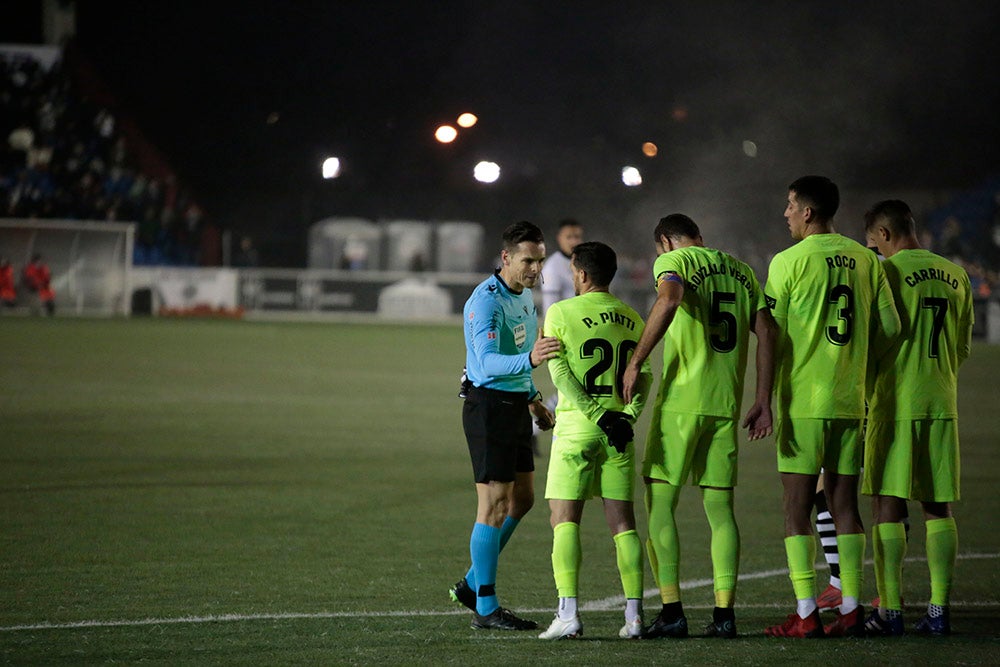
x=683, y=445
x=807, y=445
x=913, y=459
x=583, y=465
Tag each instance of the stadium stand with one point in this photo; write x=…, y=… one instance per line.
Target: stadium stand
x=967, y=230
x=69, y=151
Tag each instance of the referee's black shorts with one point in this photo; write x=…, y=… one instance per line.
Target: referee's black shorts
x=498, y=429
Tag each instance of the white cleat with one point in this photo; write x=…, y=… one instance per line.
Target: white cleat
x=560, y=629
x=631, y=629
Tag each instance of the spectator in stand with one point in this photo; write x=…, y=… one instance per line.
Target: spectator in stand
x=246, y=255
x=38, y=280
x=8, y=291
x=63, y=157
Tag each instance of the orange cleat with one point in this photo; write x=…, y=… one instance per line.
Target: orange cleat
x=798, y=627
x=851, y=624
x=829, y=599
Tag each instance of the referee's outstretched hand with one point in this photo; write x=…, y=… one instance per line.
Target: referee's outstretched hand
x=545, y=348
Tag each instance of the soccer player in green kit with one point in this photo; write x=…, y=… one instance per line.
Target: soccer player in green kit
x=592, y=453
x=911, y=446
x=832, y=302
x=707, y=303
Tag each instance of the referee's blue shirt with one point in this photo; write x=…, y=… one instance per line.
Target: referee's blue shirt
x=500, y=330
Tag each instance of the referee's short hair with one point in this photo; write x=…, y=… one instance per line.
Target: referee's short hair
x=598, y=260
x=520, y=232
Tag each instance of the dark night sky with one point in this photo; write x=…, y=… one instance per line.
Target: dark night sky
x=874, y=94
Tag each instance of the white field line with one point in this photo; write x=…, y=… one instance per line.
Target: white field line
x=606, y=604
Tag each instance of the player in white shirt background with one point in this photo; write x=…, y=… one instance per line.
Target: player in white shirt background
x=557, y=278
x=557, y=284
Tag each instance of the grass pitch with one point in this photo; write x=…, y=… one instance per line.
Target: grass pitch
x=260, y=493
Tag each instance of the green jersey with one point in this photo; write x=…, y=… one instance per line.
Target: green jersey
x=705, y=347
x=828, y=295
x=598, y=333
x=918, y=378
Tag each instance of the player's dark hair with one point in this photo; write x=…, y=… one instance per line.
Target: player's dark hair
x=520, y=232
x=894, y=214
x=569, y=222
x=676, y=225
x=819, y=193
x=598, y=260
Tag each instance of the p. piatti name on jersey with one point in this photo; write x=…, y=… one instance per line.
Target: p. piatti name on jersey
x=609, y=317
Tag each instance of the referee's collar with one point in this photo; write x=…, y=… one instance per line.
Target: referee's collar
x=496, y=272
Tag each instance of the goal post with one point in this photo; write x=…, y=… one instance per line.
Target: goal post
x=91, y=262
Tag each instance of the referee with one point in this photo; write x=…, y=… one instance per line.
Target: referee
x=502, y=347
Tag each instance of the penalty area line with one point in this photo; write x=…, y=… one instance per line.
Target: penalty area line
x=605, y=604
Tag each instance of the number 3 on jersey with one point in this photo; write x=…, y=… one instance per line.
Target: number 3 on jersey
x=842, y=298
x=604, y=352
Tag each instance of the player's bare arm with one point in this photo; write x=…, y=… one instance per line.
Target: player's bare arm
x=669, y=294
x=759, y=419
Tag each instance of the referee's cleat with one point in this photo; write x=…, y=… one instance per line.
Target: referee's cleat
x=797, y=627
x=462, y=594
x=676, y=628
x=560, y=629
x=632, y=629
x=934, y=627
x=876, y=626
x=851, y=624
x=501, y=619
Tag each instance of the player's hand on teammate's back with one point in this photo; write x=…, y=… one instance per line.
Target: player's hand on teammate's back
x=618, y=429
x=758, y=422
x=545, y=348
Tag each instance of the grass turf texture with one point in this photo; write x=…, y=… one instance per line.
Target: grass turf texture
x=260, y=493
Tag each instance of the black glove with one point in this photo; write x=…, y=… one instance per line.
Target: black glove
x=618, y=429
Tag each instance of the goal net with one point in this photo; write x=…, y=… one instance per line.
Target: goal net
x=90, y=262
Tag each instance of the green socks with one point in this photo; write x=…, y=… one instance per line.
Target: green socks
x=801, y=553
x=725, y=543
x=566, y=557
x=889, y=545
x=942, y=548
x=628, y=548
x=664, y=545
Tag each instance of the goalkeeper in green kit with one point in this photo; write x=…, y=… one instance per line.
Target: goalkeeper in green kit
x=592, y=451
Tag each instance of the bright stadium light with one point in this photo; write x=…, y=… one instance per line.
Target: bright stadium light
x=445, y=134
x=331, y=167
x=467, y=120
x=631, y=176
x=486, y=172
